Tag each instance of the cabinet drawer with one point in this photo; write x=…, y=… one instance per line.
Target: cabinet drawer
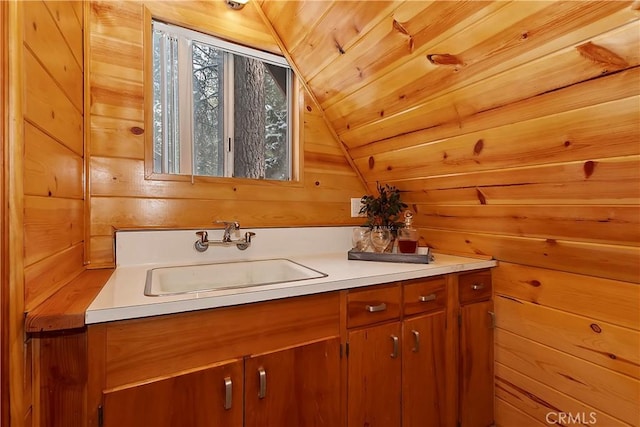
x=421, y=296
x=474, y=286
x=372, y=305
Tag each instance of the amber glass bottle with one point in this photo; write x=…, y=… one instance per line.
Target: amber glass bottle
x=408, y=236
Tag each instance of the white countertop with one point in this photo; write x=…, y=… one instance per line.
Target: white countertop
x=123, y=295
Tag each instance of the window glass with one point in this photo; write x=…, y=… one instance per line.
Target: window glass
x=219, y=109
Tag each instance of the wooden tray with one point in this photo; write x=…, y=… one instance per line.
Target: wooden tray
x=390, y=257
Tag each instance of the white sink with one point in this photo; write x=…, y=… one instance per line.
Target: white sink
x=226, y=275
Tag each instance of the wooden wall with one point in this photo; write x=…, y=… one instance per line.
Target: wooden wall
x=43, y=173
x=121, y=197
x=513, y=128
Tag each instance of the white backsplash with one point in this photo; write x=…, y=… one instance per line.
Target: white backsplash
x=137, y=247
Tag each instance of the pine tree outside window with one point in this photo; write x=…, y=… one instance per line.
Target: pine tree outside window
x=219, y=109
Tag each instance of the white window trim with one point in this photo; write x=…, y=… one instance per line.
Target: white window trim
x=185, y=37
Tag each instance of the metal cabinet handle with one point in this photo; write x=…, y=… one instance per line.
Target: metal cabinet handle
x=396, y=343
x=228, y=392
x=416, y=341
x=427, y=298
x=477, y=286
x=262, y=379
x=376, y=308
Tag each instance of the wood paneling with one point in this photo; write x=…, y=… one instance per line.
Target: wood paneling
x=610, y=301
x=605, y=390
x=60, y=408
x=51, y=169
x=43, y=36
x=512, y=129
x=53, y=172
x=121, y=195
x=561, y=137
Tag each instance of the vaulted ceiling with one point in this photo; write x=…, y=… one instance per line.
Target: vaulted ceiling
x=390, y=75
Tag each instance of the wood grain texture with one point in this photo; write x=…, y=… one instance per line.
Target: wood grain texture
x=570, y=136
x=47, y=106
x=596, y=224
x=607, y=345
x=375, y=378
x=66, y=309
x=362, y=304
x=122, y=196
x=538, y=400
x=475, y=373
x=53, y=225
x=61, y=355
x=302, y=386
x=43, y=278
x=605, y=300
x=439, y=104
x=604, y=390
x=613, y=180
x=507, y=415
x=51, y=169
x=18, y=406
x=214, y=335
x=42, y=35
x=616, y=262
x=193, y=398
x=423, y=379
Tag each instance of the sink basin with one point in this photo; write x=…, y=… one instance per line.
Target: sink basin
x=226, y=275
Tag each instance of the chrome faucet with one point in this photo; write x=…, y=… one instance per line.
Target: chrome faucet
x=229, y=226
x=203, y=242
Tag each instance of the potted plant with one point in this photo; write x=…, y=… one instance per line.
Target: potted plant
x=384, y=211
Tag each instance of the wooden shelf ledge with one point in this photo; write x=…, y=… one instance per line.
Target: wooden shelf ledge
x=66, y=308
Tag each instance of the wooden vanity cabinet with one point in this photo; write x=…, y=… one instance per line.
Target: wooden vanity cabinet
x=209, y=396
x=374, y=364
x=476, y=369
x=396, y=354
x=272, y=363
x=424, y=353
x=294, y=387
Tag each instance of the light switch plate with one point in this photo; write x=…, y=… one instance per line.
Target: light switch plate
x=355, y=208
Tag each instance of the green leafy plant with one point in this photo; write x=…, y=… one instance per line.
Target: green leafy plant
x=385, y=209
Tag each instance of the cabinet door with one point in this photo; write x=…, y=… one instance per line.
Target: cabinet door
x=374, y=376
x=476, y=364
x=299, y=386
x=423, y=371
x=207, y=397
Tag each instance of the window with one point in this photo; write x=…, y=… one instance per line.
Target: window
x=219, y=109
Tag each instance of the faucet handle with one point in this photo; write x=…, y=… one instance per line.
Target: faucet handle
x=229, y=224
x=204, y=236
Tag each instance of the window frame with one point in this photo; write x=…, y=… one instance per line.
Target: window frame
x=296, y=159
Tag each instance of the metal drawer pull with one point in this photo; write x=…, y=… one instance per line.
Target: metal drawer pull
x=427, y=298
x=376, y=308
x=416, y=341
x=262, y=376
x=477, y=286
x=396, y=343
x=228, y=392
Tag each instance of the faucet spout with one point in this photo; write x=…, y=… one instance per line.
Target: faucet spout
x=203, y=242
x=229, y=226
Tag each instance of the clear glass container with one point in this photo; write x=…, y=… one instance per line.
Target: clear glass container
x=408, y=236
x=380, y=238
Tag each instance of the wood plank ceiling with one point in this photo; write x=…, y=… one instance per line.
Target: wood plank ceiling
x=398, y=75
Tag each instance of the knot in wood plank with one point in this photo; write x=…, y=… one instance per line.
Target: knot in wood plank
x=444, y=59
x=601, y=55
